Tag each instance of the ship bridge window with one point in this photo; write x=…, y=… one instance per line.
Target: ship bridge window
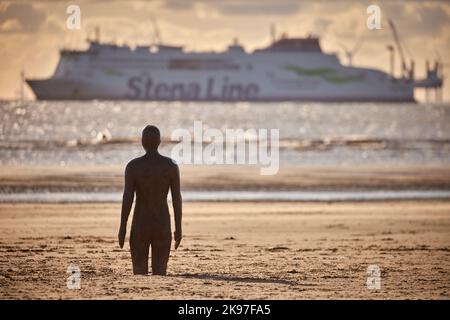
x=200, y=64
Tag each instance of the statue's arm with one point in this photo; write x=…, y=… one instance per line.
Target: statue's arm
x=175, y=190
x=127, y=203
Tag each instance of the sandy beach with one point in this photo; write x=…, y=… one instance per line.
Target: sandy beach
x=246, y=250
x=233, y=250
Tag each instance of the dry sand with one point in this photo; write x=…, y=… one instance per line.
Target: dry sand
x=234, y=250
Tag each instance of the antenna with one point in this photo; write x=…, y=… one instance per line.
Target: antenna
x=442, y=64
x=273, y=32
x=97, y=34
x=21, y=88
x=440, y=69
x=156, y=33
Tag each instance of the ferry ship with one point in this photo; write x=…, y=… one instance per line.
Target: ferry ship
x=289, y=69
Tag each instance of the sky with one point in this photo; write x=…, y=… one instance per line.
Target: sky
x=32, y=32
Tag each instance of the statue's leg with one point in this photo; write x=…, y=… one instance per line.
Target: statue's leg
x=139, y=247
x=160, y=256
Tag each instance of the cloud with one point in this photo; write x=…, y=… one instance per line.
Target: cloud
x=321, y=25
x=259, y=7
x=17, y=17
x=179, y=4
x=10, y=25
x=416, y=20
x=433, y=19
x=240, y=7
x=31, y=32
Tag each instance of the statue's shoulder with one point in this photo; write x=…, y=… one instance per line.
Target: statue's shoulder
x=170, y=162
x=134, y=163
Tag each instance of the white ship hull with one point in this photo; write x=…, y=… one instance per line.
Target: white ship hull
x=105, y=72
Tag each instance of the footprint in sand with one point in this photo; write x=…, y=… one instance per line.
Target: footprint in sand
x=278, y=249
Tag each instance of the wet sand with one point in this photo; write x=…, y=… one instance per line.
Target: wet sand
x=95, y=178
x=246, y=250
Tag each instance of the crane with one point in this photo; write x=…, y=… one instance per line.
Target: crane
x=399, y=46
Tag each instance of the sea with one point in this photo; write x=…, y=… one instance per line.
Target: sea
x=67, y=133
x=107, y=132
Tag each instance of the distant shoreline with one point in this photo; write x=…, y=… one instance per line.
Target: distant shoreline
x=236, y=196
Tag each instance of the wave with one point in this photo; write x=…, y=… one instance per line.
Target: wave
x=284, y=144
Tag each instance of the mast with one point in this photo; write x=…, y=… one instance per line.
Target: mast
x=21, y=88
x=156, y=33
x=391, y=60
x=97, y=34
